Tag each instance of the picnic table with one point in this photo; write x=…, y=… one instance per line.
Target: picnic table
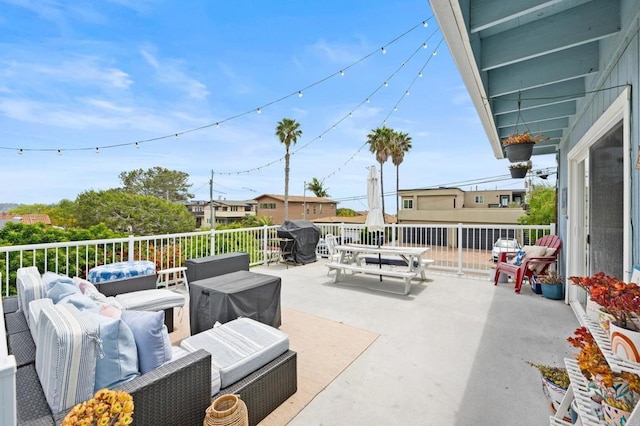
x=352, y=258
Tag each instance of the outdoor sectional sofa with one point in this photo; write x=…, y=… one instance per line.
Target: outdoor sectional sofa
x=176, y=392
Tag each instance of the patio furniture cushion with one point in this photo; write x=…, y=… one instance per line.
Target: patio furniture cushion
x=58, y=290
x=151, y=338
x=30, y=287
x=117, y=357
x=34, y=314
x=65, y=356
x=151, y=300
x=238, y=348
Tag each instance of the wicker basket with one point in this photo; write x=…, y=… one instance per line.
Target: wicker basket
x=227, y=410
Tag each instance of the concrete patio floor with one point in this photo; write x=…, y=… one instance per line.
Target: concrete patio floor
x=452, y=352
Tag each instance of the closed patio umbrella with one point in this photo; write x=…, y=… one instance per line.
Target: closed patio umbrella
x=375, y=220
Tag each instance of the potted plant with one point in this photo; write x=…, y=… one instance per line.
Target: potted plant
x=552, y=285
x=519, y=170
x=618, y=390
x=555, y=382
x=107, y=407
x=621, y=302
x=519, y=146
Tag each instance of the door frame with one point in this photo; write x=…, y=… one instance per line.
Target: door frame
x=619, y=110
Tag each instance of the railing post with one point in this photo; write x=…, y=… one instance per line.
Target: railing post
x=265, y=245
x=552, y=229
x=393, y=234
x=213, y=241
x=341, y=232
x=132, y=246
x=460, y=249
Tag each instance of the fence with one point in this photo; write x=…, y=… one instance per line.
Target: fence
x=456, y=248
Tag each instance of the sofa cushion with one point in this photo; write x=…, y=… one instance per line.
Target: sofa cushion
x=151, y=337
x=30, y=287
x=81, y=302
x=58, y=290
x=65, y=356
x=238, y=348
x=151, y=300
x=34, y=314
x=117, y=355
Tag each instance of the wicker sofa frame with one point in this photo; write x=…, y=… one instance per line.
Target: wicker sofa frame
x=176, y=393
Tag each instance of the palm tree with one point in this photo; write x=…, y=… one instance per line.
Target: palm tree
x=288, y=131
x=317, y=188
x=401, y=144
x=379, y=141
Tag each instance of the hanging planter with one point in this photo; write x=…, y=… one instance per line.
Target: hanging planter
x=519, y=151
x=519, y=170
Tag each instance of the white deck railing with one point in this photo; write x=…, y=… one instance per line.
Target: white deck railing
x=456, y=248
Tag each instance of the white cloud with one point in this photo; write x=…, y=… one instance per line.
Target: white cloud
x=170, y=73
x=336, y=53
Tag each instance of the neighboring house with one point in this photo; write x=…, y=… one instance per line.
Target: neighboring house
x=225, y=211
x=568, y=70
x=453, y=205
x=300, y=207
x=28, y=219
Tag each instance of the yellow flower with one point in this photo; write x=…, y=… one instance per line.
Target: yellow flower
x=107, y=407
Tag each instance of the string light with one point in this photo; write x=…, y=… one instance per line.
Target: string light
x=59, y=152
x=217, y=125
x=425, y=24
x=20, y=151
x=406, y=93
x=384, y=50
x=259, y=111
x=97, y=150
x=137, y=145
x=386, y=84
x=420, y=74
x=367, y=101
x=341, y=73
x=425, y=45
x=176, y=136
x=299, y=93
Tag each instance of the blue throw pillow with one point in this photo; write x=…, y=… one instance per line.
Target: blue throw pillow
x=152, y=338
x=118, y=362
x=60, y=289
x=519, y=257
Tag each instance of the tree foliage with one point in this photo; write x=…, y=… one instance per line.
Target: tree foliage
x=251, y=221
x=317, y=188
x=345, y=212
x=542, y=207
x=61, y=214
x=170, y=185
x=132, y=213
x=401, y=144
x=379, y=141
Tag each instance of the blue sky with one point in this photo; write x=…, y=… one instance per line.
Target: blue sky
x=76, y=75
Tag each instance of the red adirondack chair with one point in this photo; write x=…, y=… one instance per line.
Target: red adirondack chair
x=529, y=265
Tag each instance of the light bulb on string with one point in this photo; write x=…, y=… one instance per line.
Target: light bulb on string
x=386, y=84
x=299, y=93
x=420, y=74
x=425, y=24
x=435, y=53
x=176, y=135
x=97, y=150
x=259, y=111
x=350, y=114
x=137, y=145
x=368, y=100
x=341, y=73
x=406, y=93
x=20, y=151
x=425, y=45
x=217, y=125
x=383, y=50
x=59, y=152
x=395, y=108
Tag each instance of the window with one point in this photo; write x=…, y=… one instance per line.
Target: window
x=268, y=206
x=407, y=204
x=479, y=199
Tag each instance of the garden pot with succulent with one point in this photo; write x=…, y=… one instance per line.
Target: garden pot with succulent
x=555, y=382
x=519, y=146
x=519, y=170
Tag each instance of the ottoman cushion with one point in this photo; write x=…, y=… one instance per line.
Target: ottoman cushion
x=151, y=300
x=238, y=348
